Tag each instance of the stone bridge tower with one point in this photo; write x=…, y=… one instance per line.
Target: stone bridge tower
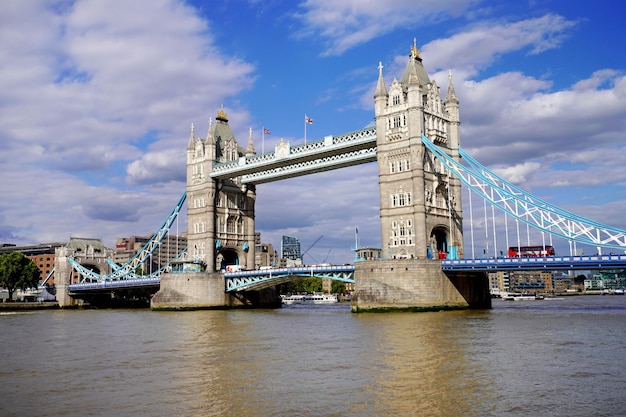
x=220, y=213
x=90, y=253
x=420, y=203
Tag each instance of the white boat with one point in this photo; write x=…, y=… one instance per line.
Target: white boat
x=310, y=299
x=515, y=296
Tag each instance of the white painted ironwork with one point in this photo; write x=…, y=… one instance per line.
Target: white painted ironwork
x=526, y=207
x=330, y=153
x=257, y=280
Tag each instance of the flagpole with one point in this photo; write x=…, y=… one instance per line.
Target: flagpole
x=305, y=123
x=263, y=141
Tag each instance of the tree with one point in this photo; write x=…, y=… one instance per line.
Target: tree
x=17, y=272
x=337, y=287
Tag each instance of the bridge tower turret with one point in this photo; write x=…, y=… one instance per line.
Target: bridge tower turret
x=420, y=204
x=220, y=213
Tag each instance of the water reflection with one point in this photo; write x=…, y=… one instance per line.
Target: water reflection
x=533, y=359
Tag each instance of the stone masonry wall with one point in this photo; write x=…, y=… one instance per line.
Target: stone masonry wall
x=412, y=284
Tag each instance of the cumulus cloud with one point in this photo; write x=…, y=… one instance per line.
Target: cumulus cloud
x=91, y=92
x=168, y=165
x=346, y=24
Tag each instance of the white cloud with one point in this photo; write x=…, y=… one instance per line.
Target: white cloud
x=478, y=46
x=156, y=167
x=87, y=87
x=345, y=24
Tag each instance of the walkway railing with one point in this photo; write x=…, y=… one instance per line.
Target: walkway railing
x=548, y=263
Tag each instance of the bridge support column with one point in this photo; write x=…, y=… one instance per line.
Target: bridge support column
x=416, y=285
x=62, y=278
x=205, y=290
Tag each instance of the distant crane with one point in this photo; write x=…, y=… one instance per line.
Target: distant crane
x=310, y=247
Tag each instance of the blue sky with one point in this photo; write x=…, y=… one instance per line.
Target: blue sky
x=97, y=99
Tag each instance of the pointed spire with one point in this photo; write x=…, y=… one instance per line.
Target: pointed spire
x=250, y=148
x=414, y=78
x=381, y=88
x=192, y=139
x=209, y=133
x=414, y=69
x=451, y=94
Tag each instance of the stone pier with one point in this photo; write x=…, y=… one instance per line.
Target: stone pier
x=416, y=285
x=204, y=290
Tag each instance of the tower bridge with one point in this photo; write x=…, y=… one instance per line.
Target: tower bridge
x=415, y=141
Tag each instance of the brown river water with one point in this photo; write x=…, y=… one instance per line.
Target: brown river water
x=561, y=357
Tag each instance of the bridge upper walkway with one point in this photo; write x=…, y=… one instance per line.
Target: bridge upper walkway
x=332, y=152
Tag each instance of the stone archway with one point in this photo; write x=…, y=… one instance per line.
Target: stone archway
x=439, y=241
x=227, y=256
x=93, y=268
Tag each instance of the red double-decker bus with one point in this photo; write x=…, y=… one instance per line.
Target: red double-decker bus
x=530, y=251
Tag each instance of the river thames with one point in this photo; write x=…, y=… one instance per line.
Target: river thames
x=558, y=357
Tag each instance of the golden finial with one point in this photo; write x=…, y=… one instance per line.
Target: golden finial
x=221, y=115
x=414, y=52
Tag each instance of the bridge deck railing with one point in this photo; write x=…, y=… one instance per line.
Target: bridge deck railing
x=530, y=263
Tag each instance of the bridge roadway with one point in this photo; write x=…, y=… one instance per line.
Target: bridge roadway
x=259, y=279
x=549, y=263
x=235, y=281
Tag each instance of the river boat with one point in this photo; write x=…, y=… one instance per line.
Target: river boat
x=310, y=299
x=514, y=296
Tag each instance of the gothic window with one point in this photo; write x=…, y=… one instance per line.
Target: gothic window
x=392, y=167
x=199, y=202
x=407, y=164
x=404, y=120
x=396, y=100
x=396, y=121
x=231, y=225
x=402, y=199
x=394, y=200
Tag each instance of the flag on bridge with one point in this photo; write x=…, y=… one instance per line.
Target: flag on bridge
x=307, y=120
x=265, y=132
